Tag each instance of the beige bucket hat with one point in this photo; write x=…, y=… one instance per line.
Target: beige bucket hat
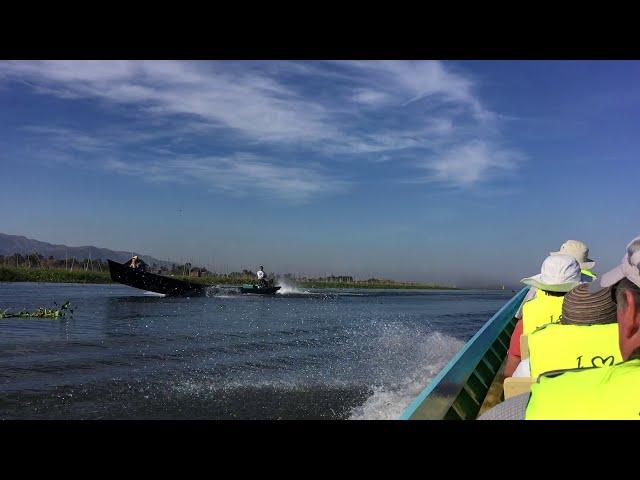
x=577, y=250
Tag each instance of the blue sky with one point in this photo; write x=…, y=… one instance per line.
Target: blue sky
x=459, y=172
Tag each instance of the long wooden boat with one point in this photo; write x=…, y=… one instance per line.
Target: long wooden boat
x=471, y=382
x=152, y=282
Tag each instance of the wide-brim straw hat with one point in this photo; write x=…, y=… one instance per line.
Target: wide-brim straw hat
x=577, y=250
x=588, y=304
x=559, y=273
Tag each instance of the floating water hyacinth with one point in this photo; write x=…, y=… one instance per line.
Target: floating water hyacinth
x=41, y=312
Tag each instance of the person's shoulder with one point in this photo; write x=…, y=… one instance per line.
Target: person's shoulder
x=532, y=294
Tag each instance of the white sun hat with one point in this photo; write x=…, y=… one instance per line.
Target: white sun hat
x=577, y=250
x=629, y=267
x=559, y=273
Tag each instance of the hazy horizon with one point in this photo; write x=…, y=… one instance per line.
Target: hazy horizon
x=465, y=173
x=228, y=268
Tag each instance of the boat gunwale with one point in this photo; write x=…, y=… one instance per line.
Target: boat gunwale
x=456, y=374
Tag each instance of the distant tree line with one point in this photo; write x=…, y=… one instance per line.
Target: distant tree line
x=37, y=261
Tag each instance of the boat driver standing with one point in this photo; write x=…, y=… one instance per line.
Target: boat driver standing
x=260, y=274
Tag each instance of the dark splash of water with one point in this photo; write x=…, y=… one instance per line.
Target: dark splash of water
x=142, y=401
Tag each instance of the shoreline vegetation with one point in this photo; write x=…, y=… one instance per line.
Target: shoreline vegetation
x=63, y=275
x=34, y=267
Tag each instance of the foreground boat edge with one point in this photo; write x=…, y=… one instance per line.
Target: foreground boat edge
x=461, y=387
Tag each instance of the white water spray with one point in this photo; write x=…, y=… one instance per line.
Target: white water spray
x=288, y=286
x=405, y=380
x=154, y=294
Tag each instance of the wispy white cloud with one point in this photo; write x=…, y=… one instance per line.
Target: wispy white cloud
x=412, y=81
x=372, y=97
x=471, y=163
x=241, y=175
x=61, y=138
x=249, y=102
x=245, y=100
x=354, y=108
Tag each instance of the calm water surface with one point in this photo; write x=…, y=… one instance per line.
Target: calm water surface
x=124, y=354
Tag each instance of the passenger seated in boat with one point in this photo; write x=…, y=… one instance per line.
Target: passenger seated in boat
x=607, y=393
x=558, y=275
x=586, y=335
x=136, y=263
x=260, y=274
x=577, y=250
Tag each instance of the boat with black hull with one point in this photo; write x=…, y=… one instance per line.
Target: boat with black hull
x=151, y=282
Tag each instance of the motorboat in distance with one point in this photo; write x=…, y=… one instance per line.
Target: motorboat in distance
x=151, y=282
x=136, y=278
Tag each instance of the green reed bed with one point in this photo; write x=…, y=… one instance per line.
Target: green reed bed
x=12, y=274
x=64, y=310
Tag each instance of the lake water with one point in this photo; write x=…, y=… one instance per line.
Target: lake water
x=330, y=354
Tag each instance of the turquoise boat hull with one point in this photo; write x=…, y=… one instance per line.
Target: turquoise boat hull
x=461, y=388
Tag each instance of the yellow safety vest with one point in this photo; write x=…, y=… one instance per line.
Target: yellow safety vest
x=562, y=347
x=542, y=309
x=588, y=273
x=608, y=393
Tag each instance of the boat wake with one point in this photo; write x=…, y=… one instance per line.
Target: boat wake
x=385, y=377
x=403, y=381
x=288, y=287
x=222, y=291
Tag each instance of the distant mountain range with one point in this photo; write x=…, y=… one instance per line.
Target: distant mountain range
x=10, y=244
